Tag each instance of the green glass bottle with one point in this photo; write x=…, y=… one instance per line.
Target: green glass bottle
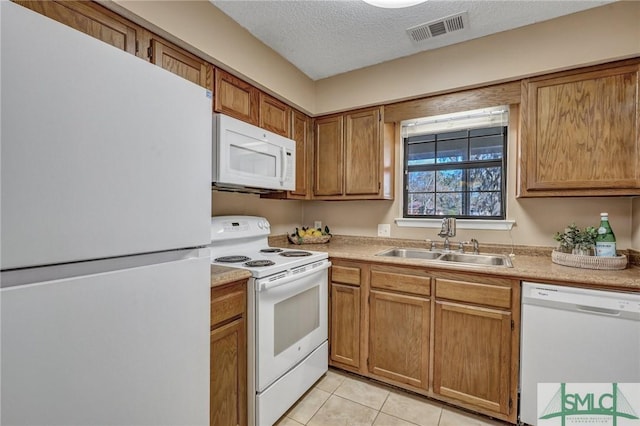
x=606, y=240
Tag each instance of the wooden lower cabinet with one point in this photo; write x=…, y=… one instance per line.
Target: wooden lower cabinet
x=345, y=316
x=447, y=335
x=476, y=342
x=472, y=355
x=228, y=398
x=399, y=337
x=399, y=318
x=345, y=321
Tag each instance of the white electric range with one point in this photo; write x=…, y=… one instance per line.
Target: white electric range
x=287, y=313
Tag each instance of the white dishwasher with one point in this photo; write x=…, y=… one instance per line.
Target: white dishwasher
x=575, y=335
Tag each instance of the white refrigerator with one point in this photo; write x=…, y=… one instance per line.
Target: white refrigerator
x=105, y=213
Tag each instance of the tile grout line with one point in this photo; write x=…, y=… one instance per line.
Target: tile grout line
x=320, y=407
x=380, y=410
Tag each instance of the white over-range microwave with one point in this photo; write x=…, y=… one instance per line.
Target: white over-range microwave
x=247, y=158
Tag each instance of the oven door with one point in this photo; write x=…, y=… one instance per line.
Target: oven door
x=291, y=321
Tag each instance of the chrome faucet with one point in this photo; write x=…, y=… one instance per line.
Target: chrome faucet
x=448, y=230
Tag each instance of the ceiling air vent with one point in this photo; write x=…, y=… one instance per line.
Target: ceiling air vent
x=439, y=27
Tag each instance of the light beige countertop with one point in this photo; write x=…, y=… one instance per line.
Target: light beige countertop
x=223, y=275
x=533, y=264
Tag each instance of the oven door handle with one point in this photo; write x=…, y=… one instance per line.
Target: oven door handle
x=266, y=286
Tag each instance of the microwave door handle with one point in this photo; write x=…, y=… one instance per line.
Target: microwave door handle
x=283, y=169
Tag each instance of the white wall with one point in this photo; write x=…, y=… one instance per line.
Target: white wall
x=283, y=215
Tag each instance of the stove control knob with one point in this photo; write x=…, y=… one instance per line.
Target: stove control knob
x=260, y=225
x=266, y=224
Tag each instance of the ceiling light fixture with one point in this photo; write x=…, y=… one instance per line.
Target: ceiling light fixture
x=393, y=4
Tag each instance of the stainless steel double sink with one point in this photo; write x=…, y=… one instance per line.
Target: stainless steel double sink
x=449, y=257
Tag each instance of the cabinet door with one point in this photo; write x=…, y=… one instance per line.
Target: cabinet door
x=91, y=19
x=580, y=134
x=228, y=374
x=328, y=156
x=472, y=355
x=362, y=152
x=345, y=325
x=301, y=133
x=235, y=97
x=181, y=63
x=399, y=337
x=275, y=116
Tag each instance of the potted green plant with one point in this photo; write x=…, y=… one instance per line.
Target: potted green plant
x=586, y=241
x=576, y=241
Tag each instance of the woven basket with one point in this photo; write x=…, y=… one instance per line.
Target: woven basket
x=309, y=240
x=589, y=262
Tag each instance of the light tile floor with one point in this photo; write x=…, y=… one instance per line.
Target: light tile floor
x=339, y=399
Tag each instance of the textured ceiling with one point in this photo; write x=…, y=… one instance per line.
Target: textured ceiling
x=323, y=38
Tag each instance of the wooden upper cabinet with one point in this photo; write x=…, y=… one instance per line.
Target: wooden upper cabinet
x=301, y=133
x=362, y=152
x=353, y=157
x=181, y=62
x=328, y=156
x=90, y=18
x=275, y=116
x=580, y=132
x=235, y=97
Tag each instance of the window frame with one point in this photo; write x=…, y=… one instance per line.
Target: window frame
x=465, y=166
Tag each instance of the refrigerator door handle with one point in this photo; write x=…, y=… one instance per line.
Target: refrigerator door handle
x=19, y=277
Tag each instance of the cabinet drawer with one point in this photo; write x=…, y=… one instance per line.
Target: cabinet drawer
x=227, y=306
x=401, y=281
x=345, y=275
x=484, y=294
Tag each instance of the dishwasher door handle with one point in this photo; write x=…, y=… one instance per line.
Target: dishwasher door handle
x=597, y=310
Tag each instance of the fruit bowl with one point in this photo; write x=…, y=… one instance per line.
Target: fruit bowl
x=310, y=236
x=309, y=240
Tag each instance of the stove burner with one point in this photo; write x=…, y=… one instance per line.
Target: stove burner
x=262, y=262
x=295, y=253
x=232, y=259
x=271, y=250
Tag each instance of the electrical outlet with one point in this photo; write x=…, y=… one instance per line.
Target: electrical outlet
x=317, y=224
x=384, y=230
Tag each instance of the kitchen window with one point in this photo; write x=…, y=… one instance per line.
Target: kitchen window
x=455, y=165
